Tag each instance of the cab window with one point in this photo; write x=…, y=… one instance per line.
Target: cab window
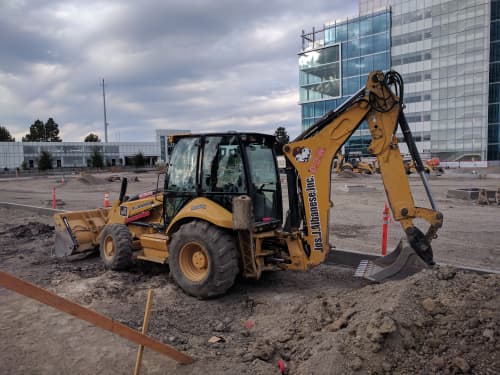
x=182, y=166
x=222, y=167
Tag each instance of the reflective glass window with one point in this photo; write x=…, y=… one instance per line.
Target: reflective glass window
x=493, y=113
x=366, y=64
x=319, y=109
x=352, y=49
x=352, y=30
x=350, y=85
x=381, y=61
x=365, y=27
x=494, y=93
x=182, y=168
x=308, y=110
x=330, y=35
x=380, y=23
x=341, y=33
x=351, y=68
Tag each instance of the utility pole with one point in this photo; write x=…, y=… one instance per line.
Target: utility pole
x=105, y=120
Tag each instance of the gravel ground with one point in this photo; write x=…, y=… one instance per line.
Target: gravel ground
x=441, y=321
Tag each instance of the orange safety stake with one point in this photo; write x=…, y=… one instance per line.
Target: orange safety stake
x=54, y=198
x=385, y=228
x=106, y=199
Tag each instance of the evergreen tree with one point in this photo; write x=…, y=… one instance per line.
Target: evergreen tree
x=40, y=132
x=139, y=160
x=96, y=159
x=282, y=138
x=5, y=135
x=92, y=138
x=45, y=161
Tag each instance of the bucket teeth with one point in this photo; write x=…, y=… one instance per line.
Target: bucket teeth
x=401, y=263
x=363, y=267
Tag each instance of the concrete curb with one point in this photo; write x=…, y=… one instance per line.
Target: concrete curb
x=35, y=209
x=351, y=258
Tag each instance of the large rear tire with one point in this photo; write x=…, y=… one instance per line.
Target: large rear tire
x=203, y=259
x=116, y=247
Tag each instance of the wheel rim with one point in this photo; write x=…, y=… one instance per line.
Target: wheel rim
x=109, y=247
x=193, y=261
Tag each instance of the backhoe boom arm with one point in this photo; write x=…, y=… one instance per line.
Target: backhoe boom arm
x=311, y=156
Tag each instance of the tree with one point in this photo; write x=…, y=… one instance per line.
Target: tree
x=96, y=159
x=92, y=138
x=5, y=135
x=40, y=132
x=139, y=160
x=45, y=161
x=282, y=139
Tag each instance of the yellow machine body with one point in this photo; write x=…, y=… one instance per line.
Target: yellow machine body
x=210, y=226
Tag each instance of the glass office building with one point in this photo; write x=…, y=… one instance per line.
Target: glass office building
x=335, y=61
x=447, y=54
x=494, y=89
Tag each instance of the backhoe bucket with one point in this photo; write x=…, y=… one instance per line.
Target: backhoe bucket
x=399, y=264
x=78, y=231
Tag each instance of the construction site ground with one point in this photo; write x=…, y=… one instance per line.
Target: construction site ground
x=439, y=321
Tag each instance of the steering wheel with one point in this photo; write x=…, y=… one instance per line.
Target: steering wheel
x=261, y=188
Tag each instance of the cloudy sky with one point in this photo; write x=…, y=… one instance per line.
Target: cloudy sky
x=203, y=65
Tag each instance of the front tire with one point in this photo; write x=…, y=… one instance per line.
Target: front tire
x=203, y=259
x=116, y=247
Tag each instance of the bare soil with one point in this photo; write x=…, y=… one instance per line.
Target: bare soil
x=440, y=321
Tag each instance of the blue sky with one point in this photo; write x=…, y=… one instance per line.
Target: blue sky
x=203, y=65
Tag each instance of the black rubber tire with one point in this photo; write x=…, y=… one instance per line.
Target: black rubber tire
x=122, y=242
x=222, y=254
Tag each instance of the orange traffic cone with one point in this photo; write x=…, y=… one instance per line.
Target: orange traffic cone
x=106, y=200
x=385, y=227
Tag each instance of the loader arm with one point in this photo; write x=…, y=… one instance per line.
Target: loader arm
x=379, y=104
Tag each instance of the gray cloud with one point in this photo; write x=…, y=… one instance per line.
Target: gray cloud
x=198, y=64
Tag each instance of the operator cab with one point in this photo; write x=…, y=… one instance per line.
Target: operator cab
x=221, y=166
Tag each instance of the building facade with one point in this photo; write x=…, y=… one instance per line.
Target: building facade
x=162, y=139
x=335, y=61
x=446, y=52
x=75, y=154
x=79, y=154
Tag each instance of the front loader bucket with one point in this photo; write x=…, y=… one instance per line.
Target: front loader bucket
x=65, y=244
x=401, y=263
x=78, y=231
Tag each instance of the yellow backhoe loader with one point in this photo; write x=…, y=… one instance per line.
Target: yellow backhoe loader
x=354, y=164
x=219, y=211
x=429, y=167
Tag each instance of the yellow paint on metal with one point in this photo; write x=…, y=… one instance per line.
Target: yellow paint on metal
x=204, y=209
x=109, y=247
x=193, y=261
x=314, y=176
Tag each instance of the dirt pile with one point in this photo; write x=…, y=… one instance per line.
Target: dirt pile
x=32, y=230
x=440, y=321
x=324, y=321
x=90, y=179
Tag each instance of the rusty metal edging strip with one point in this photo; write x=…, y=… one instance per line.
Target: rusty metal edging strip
x=352, y=258
x=44, y=296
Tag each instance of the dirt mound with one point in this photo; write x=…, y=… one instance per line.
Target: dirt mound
x=90, y=179
x=32, y=230
x=439, y=321
x=324, y=321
